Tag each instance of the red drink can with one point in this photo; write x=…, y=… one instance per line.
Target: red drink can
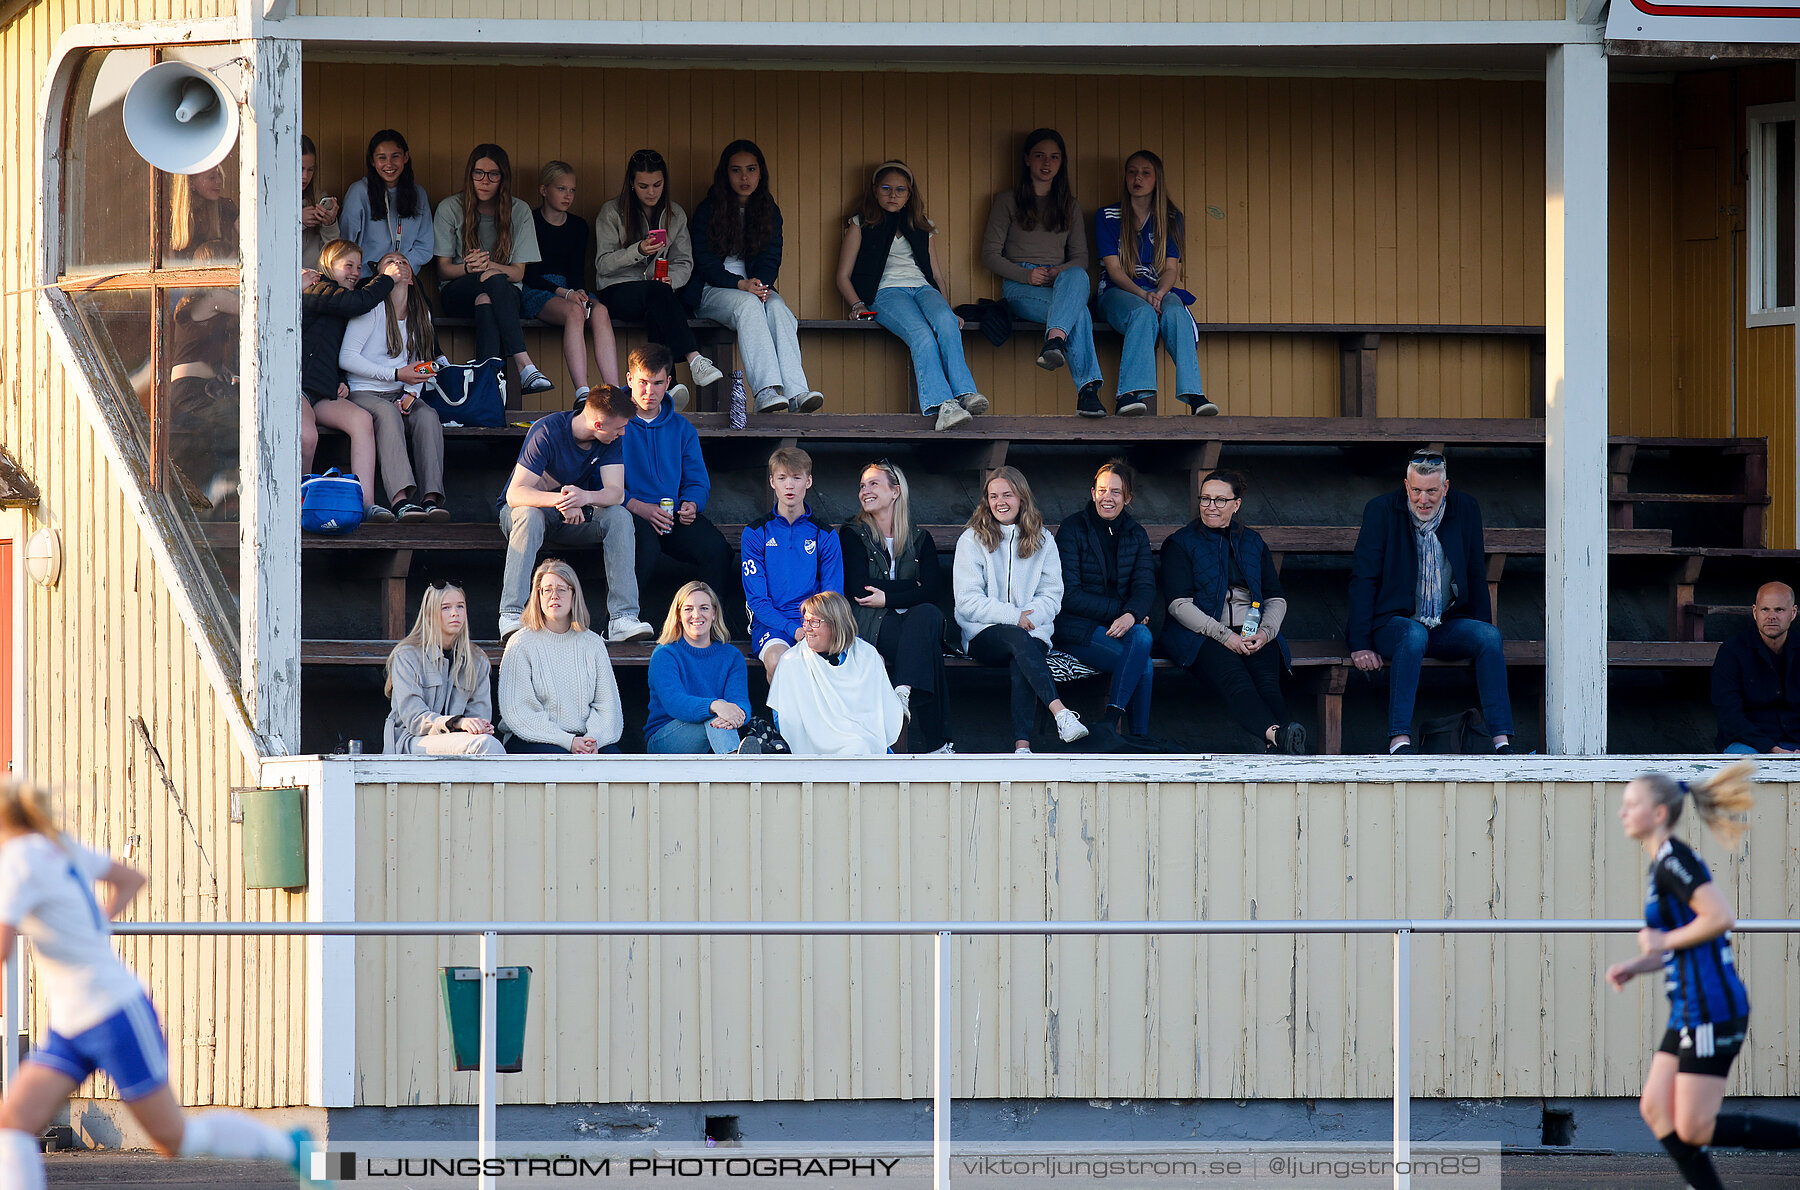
x=662, y=268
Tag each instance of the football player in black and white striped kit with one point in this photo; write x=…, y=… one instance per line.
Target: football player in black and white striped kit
x=1687, y=934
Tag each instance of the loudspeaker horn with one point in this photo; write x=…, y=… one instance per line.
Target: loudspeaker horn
x=180, y=118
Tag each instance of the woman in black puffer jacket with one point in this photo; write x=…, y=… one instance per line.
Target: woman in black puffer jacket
x=1109, y=585
x=325, y=307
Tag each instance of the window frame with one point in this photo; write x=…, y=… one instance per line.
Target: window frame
x=1761, y=208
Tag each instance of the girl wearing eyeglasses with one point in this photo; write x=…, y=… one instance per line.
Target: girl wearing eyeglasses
x=557, y=690
x=830, y=693
x=484, y=238
x=1214, y=570
x=438, y=680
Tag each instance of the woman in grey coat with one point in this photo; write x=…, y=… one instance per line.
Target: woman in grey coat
x=438, y=681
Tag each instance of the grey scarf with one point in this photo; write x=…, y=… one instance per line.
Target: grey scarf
x=1430, y=597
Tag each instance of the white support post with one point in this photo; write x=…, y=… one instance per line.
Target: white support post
x=1402, y=1059
x=1575, y=506
x=12, y=1004
x=269, y=423
x=331, y=961
x=941, y=1039
x=490, y=1029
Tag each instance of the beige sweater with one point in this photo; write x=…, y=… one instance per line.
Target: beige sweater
x=617, y=259
x=555, y=686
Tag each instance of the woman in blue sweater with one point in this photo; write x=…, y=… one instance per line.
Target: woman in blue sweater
x=699, y=696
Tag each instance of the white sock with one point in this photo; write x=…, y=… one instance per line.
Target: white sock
x=21, y=1162
x=233, y=1134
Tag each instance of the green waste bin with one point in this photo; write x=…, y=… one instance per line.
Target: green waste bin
x=462, y=1006
x=274, y=838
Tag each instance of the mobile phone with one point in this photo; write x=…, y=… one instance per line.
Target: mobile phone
x=658, y=238
x=863, y=314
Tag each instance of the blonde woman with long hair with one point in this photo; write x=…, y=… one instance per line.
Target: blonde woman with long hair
x=1140, y=242
x=1009, y=586
x=699, y=694
x=443, y=704
x=1687, y=936
x=101, y=1019
x=385, y=354
x=199, y=212
x=557, y=690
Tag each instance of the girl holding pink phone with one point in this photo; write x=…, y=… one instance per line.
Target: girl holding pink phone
x=318, y=215
x=643, y=257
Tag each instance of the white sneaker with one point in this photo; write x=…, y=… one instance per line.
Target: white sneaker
x=904, y=694
x=807, y=402
x=975, y=403
x=770, y=400
x=678, y=396
x=1022, y=752
x=627, y=628
x=703, y=371
x=946, y=750
x=1069, y=726
x=951, y=414
x=509, y=625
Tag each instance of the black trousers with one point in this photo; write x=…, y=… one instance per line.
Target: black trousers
x=1011, y=645
x=1250, y=686
x=663, y=313
x=913, y=647
x=498, y=333
x=703, y=547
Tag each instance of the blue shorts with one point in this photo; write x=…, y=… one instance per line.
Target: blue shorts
x=760, y=639
x=128, y=1046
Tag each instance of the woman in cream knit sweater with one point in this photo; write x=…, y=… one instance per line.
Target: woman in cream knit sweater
x=557, y=691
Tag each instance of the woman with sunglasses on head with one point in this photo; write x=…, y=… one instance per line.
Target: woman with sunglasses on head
x=438, y=681
x=894, y=583
x=1036, y=243
x=830, y=693
x=553, y=291
x=699, y=694
x=484, y=238
x=1687, y=936
x=326, y=307
x=386, y=210
x=1217, y=575
x=643, y=257
x=1009, y=588
x=737, y=256
x=1140, y=243
x=385, y=353
x=1109, y=587
x=557, y=690
x=888, y=270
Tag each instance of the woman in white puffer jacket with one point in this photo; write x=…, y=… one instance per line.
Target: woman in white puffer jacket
x=1009, y=587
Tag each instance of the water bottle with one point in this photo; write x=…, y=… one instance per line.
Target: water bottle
x=1252, y=621
x=740, y=401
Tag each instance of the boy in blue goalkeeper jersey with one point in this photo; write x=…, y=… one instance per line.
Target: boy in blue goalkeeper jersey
x=787, y=556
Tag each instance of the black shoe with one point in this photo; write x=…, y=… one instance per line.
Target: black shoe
x=1087, y=402
x=1290, y=740
x=1050, y=356
x=1200, y=406
x=409, y=513
x=1131, y=405
x=1503, y=750
x=1404, y=750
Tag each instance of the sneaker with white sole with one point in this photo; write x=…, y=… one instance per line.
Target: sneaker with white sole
x=904, y=694
x=509, y=625
x=535, y=381
x=946, y=750
x=704, y=371
x=806, y=403
x=951, y=414
x=975, y=403
x=1069, y=726
x=677, y=396
x=625, y=628
x=770, y=400
x=1022, y=751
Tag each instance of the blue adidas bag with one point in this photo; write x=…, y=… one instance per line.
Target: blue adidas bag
x=472, y=394
x=330, y=503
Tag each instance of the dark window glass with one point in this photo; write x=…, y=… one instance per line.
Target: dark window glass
x=105, y=183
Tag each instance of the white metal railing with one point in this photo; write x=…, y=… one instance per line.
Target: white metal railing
x=942, y=934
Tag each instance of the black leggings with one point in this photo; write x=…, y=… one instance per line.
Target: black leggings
x=1011, y=645
x=1250, y=686
x=663, y=315
x=498, y=333
x=913, y=646
x=703, y=547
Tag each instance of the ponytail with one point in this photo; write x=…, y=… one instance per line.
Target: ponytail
x=1722, y=800
x=28, y=808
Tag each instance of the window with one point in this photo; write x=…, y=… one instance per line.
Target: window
x=1770, y=300
x=150, y=267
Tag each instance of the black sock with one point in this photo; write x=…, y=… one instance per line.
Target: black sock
x=1755, y=1132
x=1693, y=1163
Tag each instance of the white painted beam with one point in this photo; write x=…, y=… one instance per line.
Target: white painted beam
x=269, y=424
x=1575, y=509
x=330, y=896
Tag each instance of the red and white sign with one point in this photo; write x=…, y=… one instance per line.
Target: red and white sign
x=1750, y=22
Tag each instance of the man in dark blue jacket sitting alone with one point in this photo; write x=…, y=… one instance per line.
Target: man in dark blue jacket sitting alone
x=1418, y=589
x=1756, y=680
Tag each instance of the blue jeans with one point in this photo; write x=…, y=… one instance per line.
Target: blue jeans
x=679, y=737
x=1404, y=643
x=925, y=323
x=1061, y=305
x=1128, y=660
x=1132, y=317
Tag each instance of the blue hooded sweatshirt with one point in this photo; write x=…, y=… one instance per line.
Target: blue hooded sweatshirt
x=663, y=460
x=784, y=564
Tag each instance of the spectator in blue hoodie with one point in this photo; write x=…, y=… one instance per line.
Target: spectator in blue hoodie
x=663, y=462
x=787, y=556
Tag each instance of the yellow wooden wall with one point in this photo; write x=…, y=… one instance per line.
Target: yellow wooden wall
x=1309, y=199
x=106, y=652
x=940, y=10
x=631, y=1020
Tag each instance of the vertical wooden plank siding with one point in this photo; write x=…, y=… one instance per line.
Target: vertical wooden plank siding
x=775, y=11
x=106, y=653
x=1308, y=200
x=635, y=1019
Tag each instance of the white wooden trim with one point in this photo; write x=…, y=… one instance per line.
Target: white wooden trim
x=1756, y=314
x=1575, y=426
x=154, y=521
x=330, y=896
x=269, y=436
x=17, y=525
x=418, y=33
